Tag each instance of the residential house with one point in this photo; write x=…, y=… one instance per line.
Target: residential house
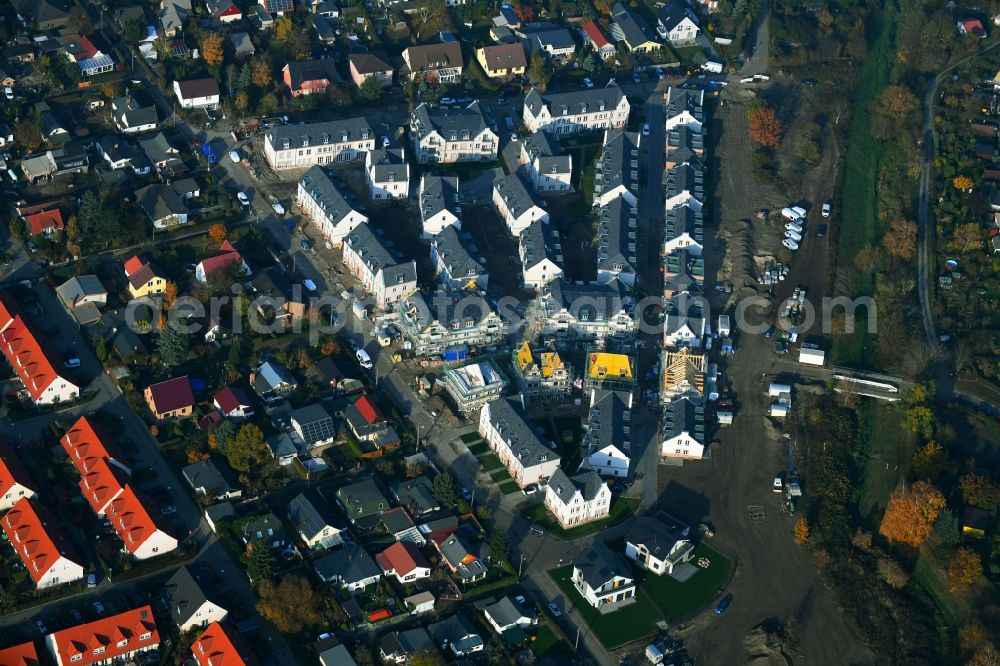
x=474, y=384
x=309, y=77
x=617, y=237
x=541, y=375
x=170, y=399
x=369, y=426
x=45, y=222
x=399, y=647
x=226, y=258
x=323, y=202
x=315, y=530
x=348, y=567
x=683, y=428
x=398, y=523
x=610, y=461
x=548, y=39
x=541, y=255
x=21, y=654
x=457, y=635
x=35, y=536
x=972, y=27
x=586, y=312
x=363, y=65
x=677, y=24
x=81, y=297
x=87, y=57
x=506, y=428
x=224, y=11
x=416, y=496
x=608, y=430
x=684, y=146
x=685, y=322
x=211, y=480
x=15, y=482
x=684, y=107
x=119, y=639
x=173, y=14
x=30, y=361
x=197, y=93
x=683, y=271
x=242, y=43
x=404, y=561
x=220, y=645
x=387, y=173
x=515, y=204
x=449, y=320
x=578, y=499
x=265, y=531
x=140, y=533
x=506, y=615
x=421, y=602
x=162, y=206
x=460, y=559
x=190, y=607
x=272, y=381
x=631, y=28
x=434, y=62
x=164, y=157
x=132, y=115
x=439, y=198
x=683, y=227
x=575, y=111
x=331, y=375
x=683, y=371
x=277, y=7
x=454, y=264
x=279, y=302
x=314, y=425
x=444, y=136
x=617, y=170
x=362, y=501
x=144, y=278
x=233, y=403
x=42, y=14
x=598, y=41
x=604, y=579
x=548, y=169
x=501, y=61
x=654, y=547
x=120, y=154
x=297, y=146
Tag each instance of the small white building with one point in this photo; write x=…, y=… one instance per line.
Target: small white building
x=579, y=499
x=548, y=169
x=610, y=461
x=604, y=579
x=541, y=255
x=516, y=205
x=197, y=93
x=654, y=547
x=322, y=202
x=387, y=173
x=812, y=356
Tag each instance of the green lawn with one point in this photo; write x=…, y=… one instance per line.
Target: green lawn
x=677, y=600
x=471, y=437
x=889, y=450
x=547, y=642
x=508, y=487
x=621, y=509
x=500, y=475
x=490, y=462
x=623, y=626
x=479, y=448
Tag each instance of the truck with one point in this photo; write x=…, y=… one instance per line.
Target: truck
x=359, y=310
x=723, y=326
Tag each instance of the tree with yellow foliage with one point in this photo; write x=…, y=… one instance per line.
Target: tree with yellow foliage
x=218, y=233
x=801, y=531
x=962, y=182
x=965, y=567
x=211, y=49
x=910, y=514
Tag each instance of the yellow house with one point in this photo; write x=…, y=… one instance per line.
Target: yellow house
x=143, y=278
x=501, y=61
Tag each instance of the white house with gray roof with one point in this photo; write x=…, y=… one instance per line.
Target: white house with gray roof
x=449, y=319
x=655, y=547
x=349, y=567
x=322, y=202
x=505, y=427
x=190, y=607
x=387, y=173
x=575, y=111
x=381, y=273
x=677, y=23
x=455, y=264
x=505, y=614
x=515, y=203
x=683, y=228
x=683, y=428
x=617, y=236
x=685, y=322
x=617, y=173
x=604, y=579
x=439, y=204
x=444, y=136
x=299, y=146
x=608, y=425
x=548, y=169
x=585, y=313
x=683, y=107
x=578, y=499
x=315, y=530
x=541, y=255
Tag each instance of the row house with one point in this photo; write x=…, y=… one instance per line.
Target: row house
x=439, y=199
x=541, y=375
x=43, y=548
x=15, y=482
x=382, y=275
x=30, y=361
x=586, y=313
x=296, y=146
x=474, y=384
x=323, y=202
x=607, y=438
x=617, y=238
x=685, y=322
x=118, y=639
x=433, y=324
x=541, y=255
x=548, y=169
x=456, y=261
x=516, y=205
x=576, y=111
x=528, y=458
x=683, y=428
x=617, y=171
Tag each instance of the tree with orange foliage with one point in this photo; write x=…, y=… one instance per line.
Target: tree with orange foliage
x=169, y=297
x=801, y=531
x=962, y=183
x=194, y=455
x=986, y=655
x=765, y=127
x=963, y=570
x=211, y=49
x=967, y=237
x=900, y=239
x=218, y=233
x=910, y=514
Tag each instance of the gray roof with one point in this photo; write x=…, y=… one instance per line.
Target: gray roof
x=362, y=499
x=599, y=301
x=158, y=148
x=336, y=656
x=270, y=375
x=185, y=596
x=455, y=551
x=374, y=253
x=682, y=281
x=264, y=529
x=515, y=194
x=505, y=611
x=670, y=15
x=283, y=137
x=206, y=474
x=389, y=164
x=607, y=420
x=683, y=99
x=42, y=13
x=158, y=201
x=406, y=643
x=303, y=71
x=600, y=565
x=130, y=112
x=550, y=158
x=584, y=480
x=683, y=219
x=455, y=255
x=397, y=520
x=316, y=182
x=508, y=417
x=575, y=101
x=416, y=494
x=654, y=535
x=685, y=178
x=538, y=242
x=77, y=287
x=457, y=630
x=242, y=45
x=685, y=414
x=310, y=414
x=306, y=517
x=443, y=307
x=681, y=261
x=619, y=165
x=683, y=144
x=186, y=186
x=553, y=39
x=439, y=193
x=350, y=563
x=617, y=229
x=629, y=26
x=453, y=124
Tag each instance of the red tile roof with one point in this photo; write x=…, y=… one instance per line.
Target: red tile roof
x=101, y=484
x=131, y=520
x=35, y=536
x=226, y=256
x=25, y=355
x=19, y=655
x=133, y=264
x=118, y=635
x=88, y=50
x=12, y=471
x=367, y=410
x=85, y=445
x=402, y=557
x=172, y=394
x=42, y=222
x=221, y=646
x=229, y=399
x=142, y=275
x=595, y=34
x=8, y=308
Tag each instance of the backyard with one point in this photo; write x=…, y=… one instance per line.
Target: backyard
x=490, y=463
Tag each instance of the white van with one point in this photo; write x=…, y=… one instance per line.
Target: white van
x=364, y=359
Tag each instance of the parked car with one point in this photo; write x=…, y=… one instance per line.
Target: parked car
x=447, y=101
x=821, y=230
x=769, y=332
x=587, y=83
x=530, y=489
x=536, y=530
x=305, y=245
x=790, y=244
x=466, y=494
x=554, y=609
x=8, y=92
x=793, y=235
x=792, y=226
x=825, y=211
x=99, y=608
x=244, y=199
x=513, y=136
x=809, y=83
x=724, y=604
x=635, y=78
x=645, y=129
x=660, y=74
x=91, y=580
x=385, y=142
x=278, y=208
x=234, y=155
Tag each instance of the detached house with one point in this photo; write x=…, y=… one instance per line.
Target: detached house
x=677, y=24
x=162, y=206
x=190, y=607
x=144, y=279
x=388, y=174
x=224, y=11
x=501, y=61
x=382, y=275
x=404, y=561
x=443, y=136
x=45, y=222
x=604, y=579
x=516, y=205
x=578, y=499
x=459, y=559
x=309, y=77
x=277, y=7
x=322, y=202
x=362, y=500
x=132, y=116
x=197, y=93
x=349, y=567
x=654, y=547
x=597, y=40
x=373, y=431
x=266, y=531
x=576, y=111
x=272, y=381
x=506, y=615
x=315, y=530
x=549, y=170
x=41, y=545
x=233, y=403
x=440, y=63
x=170, y=399
x=296, y=146
x=227, y=257
x=506, y=428
x=631, y=28
x=363, y=65
x=399, y=647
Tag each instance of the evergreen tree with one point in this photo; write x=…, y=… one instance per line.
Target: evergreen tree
x=172, y=346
